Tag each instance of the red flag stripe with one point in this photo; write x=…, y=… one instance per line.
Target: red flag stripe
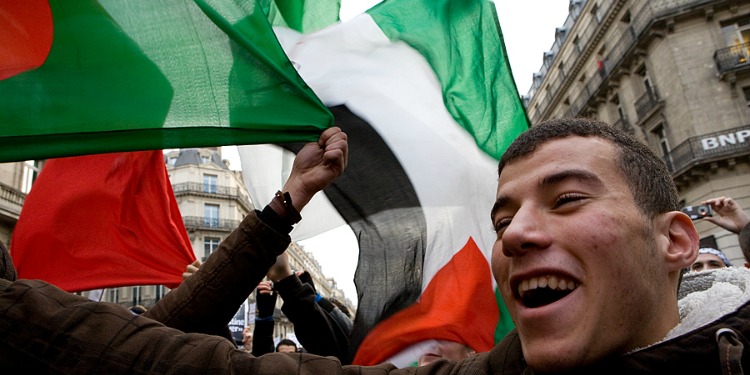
x=26, y=35
x=457, y=305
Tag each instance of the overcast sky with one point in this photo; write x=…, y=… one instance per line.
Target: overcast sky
x=529, y=31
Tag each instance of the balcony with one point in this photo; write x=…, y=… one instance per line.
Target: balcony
x=733, y=58
x=209, y=223
x=730, y=143
x=645, y=24
x=211, y=191
x=646, y=104
x=11, y=201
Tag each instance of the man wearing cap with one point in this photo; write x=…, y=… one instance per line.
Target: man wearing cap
x=710, y=259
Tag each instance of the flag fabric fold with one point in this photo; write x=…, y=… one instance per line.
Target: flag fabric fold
x=84, y=77
x=102, y=221
x=458, y=297
x=424, y=138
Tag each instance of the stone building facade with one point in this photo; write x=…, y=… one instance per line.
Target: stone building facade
x=674, y=73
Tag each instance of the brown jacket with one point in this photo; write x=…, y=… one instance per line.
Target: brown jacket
x=46, y=330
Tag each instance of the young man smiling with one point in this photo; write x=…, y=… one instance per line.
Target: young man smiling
x=589, y=253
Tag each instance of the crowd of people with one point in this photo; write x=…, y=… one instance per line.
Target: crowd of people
x=590, y=260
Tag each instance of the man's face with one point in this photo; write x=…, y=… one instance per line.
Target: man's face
x=574, y=259
x=287, y=349
x=707, y=262
x=247, y=339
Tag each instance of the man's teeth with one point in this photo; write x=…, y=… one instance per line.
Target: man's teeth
x=552, y=282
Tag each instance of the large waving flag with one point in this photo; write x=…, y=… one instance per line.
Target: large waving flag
x=87, y=76
x=81, y=77
x=425, y=93
x=102, y=221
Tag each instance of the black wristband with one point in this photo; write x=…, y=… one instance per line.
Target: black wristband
x=280, y=214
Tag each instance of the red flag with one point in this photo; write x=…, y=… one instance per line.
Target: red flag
x=102, y=221
x=457, y=305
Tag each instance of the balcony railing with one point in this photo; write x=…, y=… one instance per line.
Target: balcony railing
x=733, y=58
x=643, y=21
x=708, y=147
x=209, y=223
x=11, y=201
x=217, y=190
x=646, y=103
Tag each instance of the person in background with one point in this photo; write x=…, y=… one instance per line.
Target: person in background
x=319, y=325
x=730, y=215
x=710, y=259
x=745, y=244
x=286, y=346
x=247, y=339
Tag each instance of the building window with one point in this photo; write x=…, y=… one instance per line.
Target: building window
x=158, y=292
x=661, y=136
x=577, y=43
x=210, y=244
x=596, y=12
x=211, y=215
x=736, y=31
x=136, y=295
x=561, y=66
x=547, y=59
x=205, y=159
x=746, y=91
x=172, y=161
x=210, y=183
x=31, y=169
x=113, y=295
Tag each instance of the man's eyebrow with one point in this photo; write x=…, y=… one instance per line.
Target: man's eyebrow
x=575, y=174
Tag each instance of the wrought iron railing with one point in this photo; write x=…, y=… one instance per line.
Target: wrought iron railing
x=708, y=147
x=209, y=223
x=646, y=103
x=733, y=57
x=651, y=12
x=218, y=190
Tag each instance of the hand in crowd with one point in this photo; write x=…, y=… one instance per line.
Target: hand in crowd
x=730, y=215
x=281, y=269
x=265, y=287
x=316, y=165
x=191, y=269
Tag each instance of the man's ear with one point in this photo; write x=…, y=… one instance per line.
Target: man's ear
x=680, y=239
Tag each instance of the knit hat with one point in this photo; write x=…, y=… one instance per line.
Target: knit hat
x=718, y=253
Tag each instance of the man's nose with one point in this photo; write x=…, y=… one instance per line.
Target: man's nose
x=527, y=231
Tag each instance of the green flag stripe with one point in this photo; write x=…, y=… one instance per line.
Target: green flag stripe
x=477, y=84
x=156, y=74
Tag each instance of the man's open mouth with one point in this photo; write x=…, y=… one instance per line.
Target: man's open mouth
x=543, y=290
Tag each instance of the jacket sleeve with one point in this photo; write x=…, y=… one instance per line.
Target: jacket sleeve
x=316, y=330
x=44, y=329
x=207, y=301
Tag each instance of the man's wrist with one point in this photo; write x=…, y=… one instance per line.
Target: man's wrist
x=280, y=213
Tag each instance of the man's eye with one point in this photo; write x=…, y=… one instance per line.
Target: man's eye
x=567, y=198
x=500, y=225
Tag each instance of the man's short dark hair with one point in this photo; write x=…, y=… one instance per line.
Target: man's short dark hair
x=286, y=342
x=745, y=241
x=646, y=174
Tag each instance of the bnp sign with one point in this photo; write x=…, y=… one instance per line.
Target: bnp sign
x=724, y=140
